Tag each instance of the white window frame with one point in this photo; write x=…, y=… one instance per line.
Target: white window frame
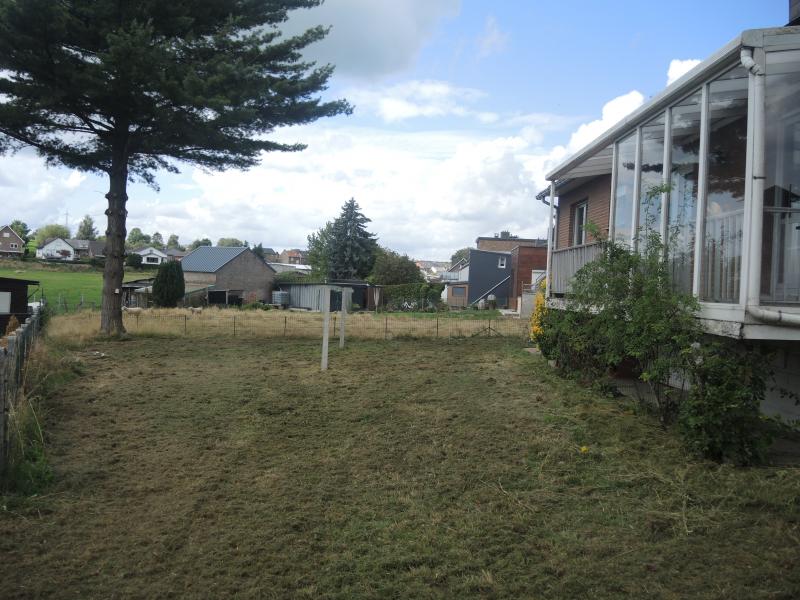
x=583, y=205
x=13, y=245
x=501, y=262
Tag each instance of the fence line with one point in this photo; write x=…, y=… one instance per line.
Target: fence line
x=13, y=355
x=299, y=325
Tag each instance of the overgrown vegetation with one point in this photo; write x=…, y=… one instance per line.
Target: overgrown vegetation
x=413, y=296
x=28, y=471
x=623, y=314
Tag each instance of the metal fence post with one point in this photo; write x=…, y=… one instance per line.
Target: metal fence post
x=185, y=325
x=285, y=323
x=437, y=327
x=386, y=328
x=234, y=325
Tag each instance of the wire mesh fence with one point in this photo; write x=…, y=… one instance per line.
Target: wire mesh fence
x=14, y=351
x=228, y=323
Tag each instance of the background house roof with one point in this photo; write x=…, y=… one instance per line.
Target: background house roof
x=97, y=248
x=210, y=259
x=78, y=244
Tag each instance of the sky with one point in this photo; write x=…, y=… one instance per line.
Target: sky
x=461, y=107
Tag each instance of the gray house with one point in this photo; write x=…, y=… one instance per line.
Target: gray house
x=227, y=275
x=490, y=274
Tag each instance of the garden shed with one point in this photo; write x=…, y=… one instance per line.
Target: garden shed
x=13, y=300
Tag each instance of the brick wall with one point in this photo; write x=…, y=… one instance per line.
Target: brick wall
x=249, y=273
x=597, y=193
x=523, y=261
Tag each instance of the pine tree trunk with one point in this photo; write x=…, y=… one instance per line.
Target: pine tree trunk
x=111, y=312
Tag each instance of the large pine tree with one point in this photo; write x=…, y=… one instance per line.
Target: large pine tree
x=126, y=88
x=352, y=248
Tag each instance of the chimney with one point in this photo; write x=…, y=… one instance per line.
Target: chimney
x=505, y=235
x=794, y=12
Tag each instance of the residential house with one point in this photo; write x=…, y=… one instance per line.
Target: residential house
x=152, y=256
x=712, y=164
x=10, y=243
x=270, y=256
x=432, y=269
x=57, y=249
x=528, y=265
x=227, y=275
x=175, y=254
x=293, y=257
x=485, y=275
x=70, y=249
x=13, y=300
x=286, y=268
x=456, y=280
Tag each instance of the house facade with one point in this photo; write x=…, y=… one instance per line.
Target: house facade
x=293, y=257
x=227, y=275
x=152, y=256
x=712, y=164
x=57, y=249
x=11, y=244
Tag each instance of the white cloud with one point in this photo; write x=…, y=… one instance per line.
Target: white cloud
x=613, y=112
x=492, y=40
x=369, y=38
x=38, y=195
x=678, y=68
x=414, y=99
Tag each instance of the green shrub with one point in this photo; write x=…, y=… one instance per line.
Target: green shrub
x=169, y=286
x=721, y=417
x=623, y=310
x=133, y=260
x=256, y=306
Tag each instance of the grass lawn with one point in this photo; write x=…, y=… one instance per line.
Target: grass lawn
x=222, y=468
x=69, y=283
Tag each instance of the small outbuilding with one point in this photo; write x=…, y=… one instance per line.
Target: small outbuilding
x=13, y=300
x=228, y=275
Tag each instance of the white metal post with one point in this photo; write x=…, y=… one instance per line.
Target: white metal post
x=612, y=209
x=326, y=321
x=666, y=177
x=702, y=190
x=637, y=189
x=550, y=239
x=347, y=293
x=751, y=296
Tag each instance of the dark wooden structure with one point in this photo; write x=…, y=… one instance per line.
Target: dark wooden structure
x=13, y=300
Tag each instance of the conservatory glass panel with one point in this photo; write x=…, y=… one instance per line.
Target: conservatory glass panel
x=652, y=171
x=724, y=217
x=780, y=258
x=623, y=194
x=684, y=175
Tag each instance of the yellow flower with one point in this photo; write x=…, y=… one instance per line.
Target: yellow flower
x=584, y=449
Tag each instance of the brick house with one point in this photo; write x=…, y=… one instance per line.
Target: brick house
x=10, y=243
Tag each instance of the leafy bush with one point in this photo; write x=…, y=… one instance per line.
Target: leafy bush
x=624, y=312
x=169, y=286
x=413, y=296
x=721, y=417
x=133, y=260
x=256, y=306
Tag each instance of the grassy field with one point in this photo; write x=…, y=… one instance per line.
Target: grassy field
x=71, y=282
x=231, y=468
x=215, y=322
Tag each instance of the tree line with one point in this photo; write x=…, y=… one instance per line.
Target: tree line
x=344, y=249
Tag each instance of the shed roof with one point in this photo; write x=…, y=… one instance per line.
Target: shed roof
x=210, y=259
x=7, y=280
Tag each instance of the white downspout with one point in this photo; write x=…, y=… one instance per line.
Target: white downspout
x=550, y=240
x=757, y=211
